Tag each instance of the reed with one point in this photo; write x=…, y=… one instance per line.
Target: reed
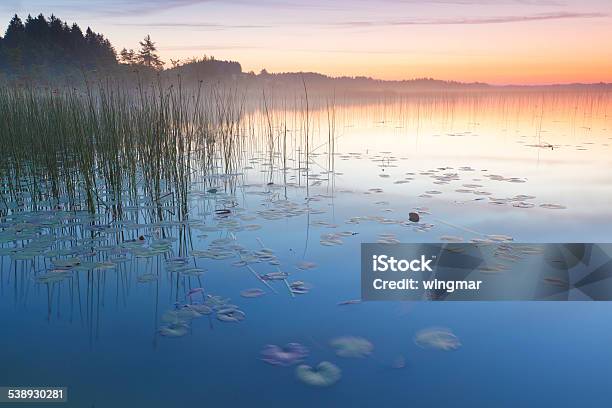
x=104, y=146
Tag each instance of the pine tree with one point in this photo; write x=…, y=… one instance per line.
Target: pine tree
x=15, y=31
x=127, y=56
x=37, y=28
x=76, y=40
x=147, y=55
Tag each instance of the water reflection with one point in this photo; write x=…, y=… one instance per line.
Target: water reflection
x=263, y=251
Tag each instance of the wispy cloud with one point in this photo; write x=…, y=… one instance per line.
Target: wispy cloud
x=10, y=5
x=203, y=25
x=147, y=7
x=469, y=20
x=208, y=47
x=394, y=52
x=484, y=2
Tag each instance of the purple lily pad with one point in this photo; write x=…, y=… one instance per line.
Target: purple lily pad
x=291, y=354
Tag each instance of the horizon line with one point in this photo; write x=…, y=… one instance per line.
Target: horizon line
x=414, y=79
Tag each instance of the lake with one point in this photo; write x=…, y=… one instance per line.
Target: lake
x=163, y=303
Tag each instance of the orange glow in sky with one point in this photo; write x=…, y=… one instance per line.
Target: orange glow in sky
x=494, y=41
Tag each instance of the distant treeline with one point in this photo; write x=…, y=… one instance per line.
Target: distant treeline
x=366, y=84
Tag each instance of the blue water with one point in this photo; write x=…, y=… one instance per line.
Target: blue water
x=108, y=354
x=97, y=333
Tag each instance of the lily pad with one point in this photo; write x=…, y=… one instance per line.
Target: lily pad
x=437, y=338
x=324, y=375
x=290, y=354
x=252, y=293
x=352, y=347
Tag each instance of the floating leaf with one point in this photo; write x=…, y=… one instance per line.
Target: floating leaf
x=451, y=238
x=352, y=347
x=324, y=375
x=174, y=330
x=290, y=354
x=230, y=315
x=252, y=293
x=553, y=206
x=437, y=338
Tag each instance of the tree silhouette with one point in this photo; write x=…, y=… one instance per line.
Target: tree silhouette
x=147, y=55
x=40, y=48
x=127, y=56
x=14, y=32
x=52, y=47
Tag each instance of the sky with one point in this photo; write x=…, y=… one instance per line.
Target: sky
x=494, y=41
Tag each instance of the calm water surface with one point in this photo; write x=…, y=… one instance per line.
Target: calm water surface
x=532, y=167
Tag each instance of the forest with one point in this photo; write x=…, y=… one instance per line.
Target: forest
x=40, y=49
